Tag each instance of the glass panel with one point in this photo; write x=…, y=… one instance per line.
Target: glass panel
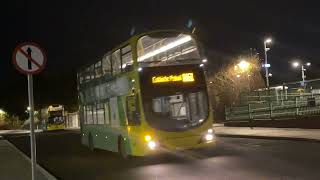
x=133, y=110
x=94, y=110
x=114, y=113
x=100, y=113
x=81, y=77
x=81, y=95
x=170, y=103
x=98, y=69
x=106, y=65
x=87, y=74
x=91, y=71
x=84, y=115
x=97, y=92
x=126, y=49
x=126, y=59
x=116, y=62
x=89, y=115
x=106, y=113
x=167, y=47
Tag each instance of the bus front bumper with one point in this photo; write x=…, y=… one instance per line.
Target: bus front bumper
x=180, y=144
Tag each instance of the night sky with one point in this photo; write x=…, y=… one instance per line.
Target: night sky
x=76, y=32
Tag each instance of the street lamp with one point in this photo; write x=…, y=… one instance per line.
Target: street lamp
x=266, y=65
x=243, y=67
x=297, y=64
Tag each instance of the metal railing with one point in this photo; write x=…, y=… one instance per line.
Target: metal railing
x=302, y=105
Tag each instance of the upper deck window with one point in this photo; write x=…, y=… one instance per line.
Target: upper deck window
x=167, y=48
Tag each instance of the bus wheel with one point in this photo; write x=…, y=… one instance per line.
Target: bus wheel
x=122, y=148
x=90, y=142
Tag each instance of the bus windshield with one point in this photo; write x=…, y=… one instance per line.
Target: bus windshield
x=174, y=97
x=166, y=47
x=55, y=117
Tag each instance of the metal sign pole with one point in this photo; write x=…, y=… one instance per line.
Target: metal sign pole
x=32, y=134
x=29, y=58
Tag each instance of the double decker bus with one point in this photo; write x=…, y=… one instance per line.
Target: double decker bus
x=53, y=117
x=145, y=95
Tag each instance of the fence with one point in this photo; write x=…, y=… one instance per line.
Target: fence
x=294, y=105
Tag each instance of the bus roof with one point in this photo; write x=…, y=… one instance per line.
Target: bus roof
x=135, y=38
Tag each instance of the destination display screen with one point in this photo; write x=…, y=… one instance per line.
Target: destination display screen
x=183, y=77
x=172, y=79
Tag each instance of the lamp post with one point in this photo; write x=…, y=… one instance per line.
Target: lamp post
x=303, y=75
x=266, y=65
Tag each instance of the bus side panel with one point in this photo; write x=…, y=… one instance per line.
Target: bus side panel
x=103, y=138
x=106, y=138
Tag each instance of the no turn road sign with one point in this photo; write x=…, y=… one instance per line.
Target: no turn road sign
x=29, y=58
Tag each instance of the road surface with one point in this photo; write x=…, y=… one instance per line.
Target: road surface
x=233, y=158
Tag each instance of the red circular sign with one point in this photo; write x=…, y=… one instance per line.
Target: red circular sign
x=29, y=58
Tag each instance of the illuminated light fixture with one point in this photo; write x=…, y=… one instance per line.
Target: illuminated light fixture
x=308, y=64
x=210, y=130
x=270, y=74
x=201, y=120
x=238, y=75
x=204, y=60
x=244, y=65
x=183, y=53
x=28, y=108
x=152, y=145
x=2, y=112
x=147, y=138
x=165, y=48
x=140, y=69
x=268, y=40
x=201, y=65
x=208, y=137
x=295, y=64
x=184, y=77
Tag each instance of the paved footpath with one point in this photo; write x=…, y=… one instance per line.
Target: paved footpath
x=14, y=165
x=272, y=133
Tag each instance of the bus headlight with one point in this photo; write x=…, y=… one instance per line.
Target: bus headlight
x=152, y=145
x=208, y=137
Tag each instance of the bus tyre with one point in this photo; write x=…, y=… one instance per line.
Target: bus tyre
x=122, y=148
x=90, y=142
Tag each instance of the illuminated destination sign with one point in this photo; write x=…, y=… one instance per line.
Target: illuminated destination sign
x=184, y=77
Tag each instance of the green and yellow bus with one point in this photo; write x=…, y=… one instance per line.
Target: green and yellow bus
x=53, y=117
x=147, y=94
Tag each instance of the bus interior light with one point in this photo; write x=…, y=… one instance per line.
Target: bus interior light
x=210, y=131
x=165, y=48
